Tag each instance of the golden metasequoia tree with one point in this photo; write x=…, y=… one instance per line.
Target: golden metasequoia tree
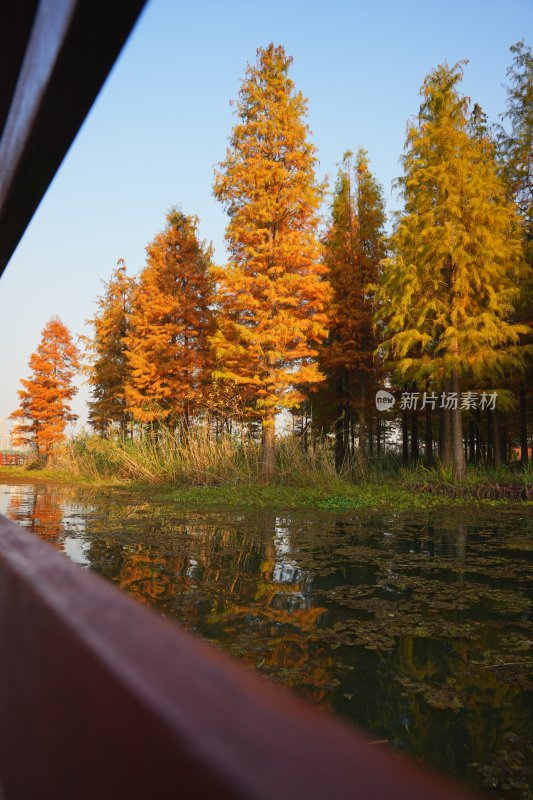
x=109, y=367
x=447, y=295
x=170, y=324
x=354, y=245
x=272, y=295
x=44, y=408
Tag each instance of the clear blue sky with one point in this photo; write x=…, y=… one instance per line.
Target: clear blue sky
x=162, y=120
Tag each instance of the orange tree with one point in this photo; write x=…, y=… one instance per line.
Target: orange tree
x=272, y=295
x=170, y=322
x=44, y=401
x=353, y=248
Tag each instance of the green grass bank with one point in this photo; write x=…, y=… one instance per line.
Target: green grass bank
x=202, y=471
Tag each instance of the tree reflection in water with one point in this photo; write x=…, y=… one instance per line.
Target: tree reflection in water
x=417, y=626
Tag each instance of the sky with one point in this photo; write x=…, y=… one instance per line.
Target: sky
x=162, y=121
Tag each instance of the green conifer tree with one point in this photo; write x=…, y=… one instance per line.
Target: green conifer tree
x=109, y=367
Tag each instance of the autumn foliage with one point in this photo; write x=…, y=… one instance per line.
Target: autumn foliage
x=44, y=408
x=354, y=246
x=458, y=255
x=272, y=294
x=170, y=322
x=313, y=316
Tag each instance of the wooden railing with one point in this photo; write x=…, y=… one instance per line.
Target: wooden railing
x=102, y=698
x=11, y=459
x=55, y=56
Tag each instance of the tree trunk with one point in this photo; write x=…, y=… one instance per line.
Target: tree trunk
x=496, y=439
x=414, y=438
x=405, y=439
x=459, y=466
x=471, y=440
x=339, y=443
x=479, y=443
x=362, y=421
x=506, y=449
x=523, y=424
x=347, y=427
x=269, y=448
x=445, y=450
x=347, y=415
x=340, y=425
x=445, y=434
x=490, y=437
x=429, y=437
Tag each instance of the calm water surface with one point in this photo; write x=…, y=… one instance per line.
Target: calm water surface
x=416, y=626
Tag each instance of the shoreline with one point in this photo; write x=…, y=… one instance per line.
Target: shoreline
x=385, y=495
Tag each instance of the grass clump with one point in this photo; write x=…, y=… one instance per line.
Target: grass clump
x=200, y=468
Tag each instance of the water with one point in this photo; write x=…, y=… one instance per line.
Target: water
x=416, y=626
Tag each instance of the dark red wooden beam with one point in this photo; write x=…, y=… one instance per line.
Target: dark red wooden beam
x=16, y=21
x=59, y=65
x=102, y=698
